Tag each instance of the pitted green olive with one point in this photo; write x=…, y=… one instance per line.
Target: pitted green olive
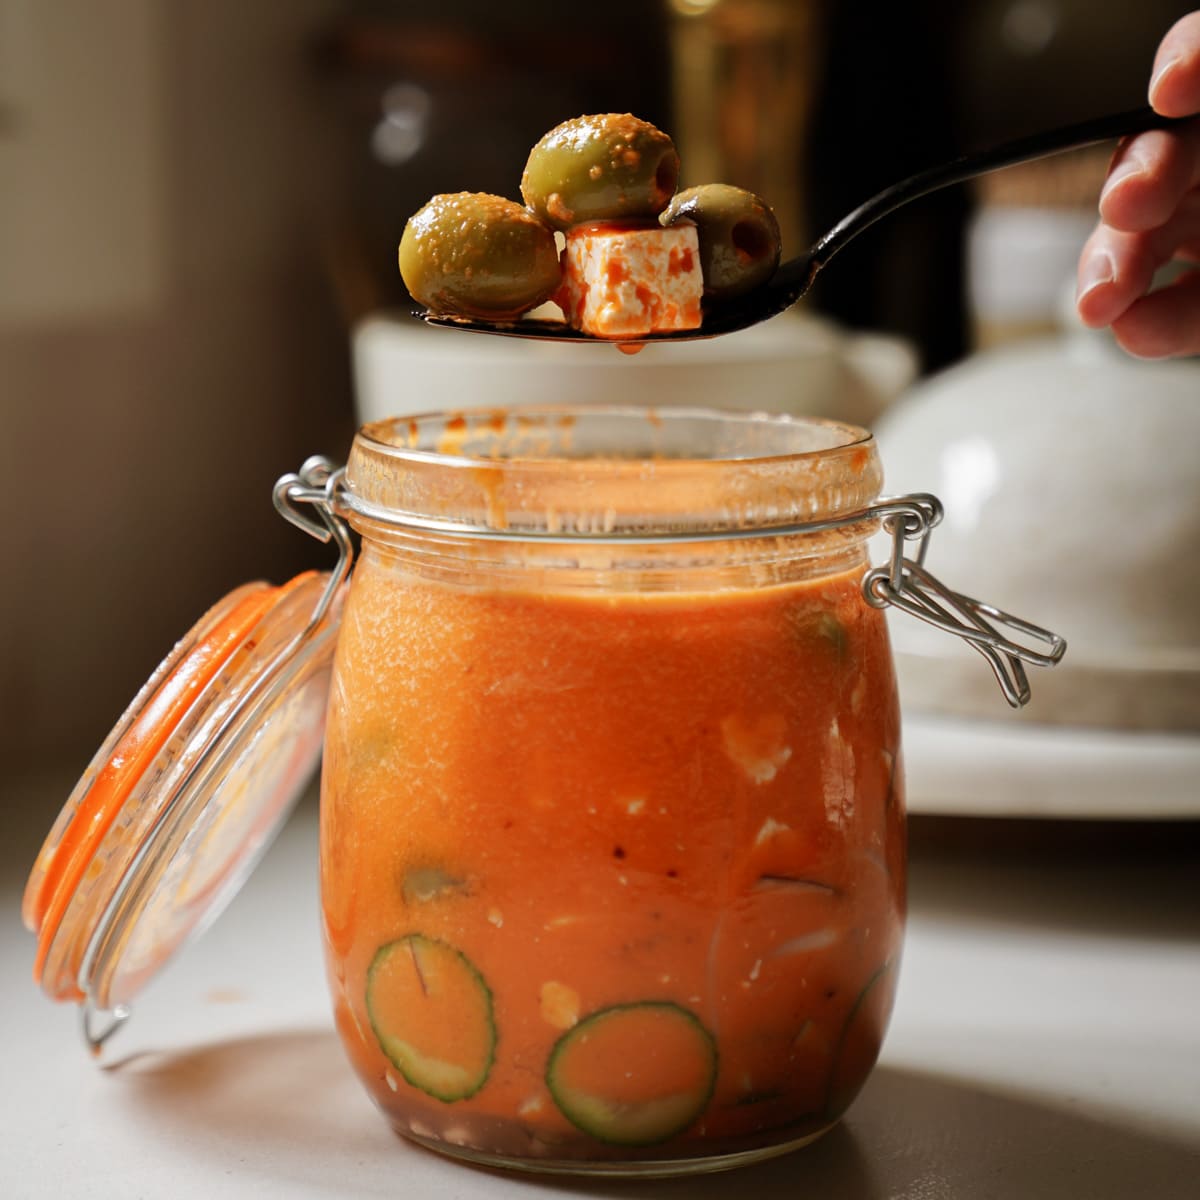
x=470, y=254
x=738, y=235
x=612, y=166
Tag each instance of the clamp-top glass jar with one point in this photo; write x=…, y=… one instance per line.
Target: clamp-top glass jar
x=612, y=845
x=612, y=820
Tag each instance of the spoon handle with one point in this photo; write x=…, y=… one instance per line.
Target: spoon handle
x=968, y=166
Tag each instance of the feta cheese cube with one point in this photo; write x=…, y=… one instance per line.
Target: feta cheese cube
x=624, y=281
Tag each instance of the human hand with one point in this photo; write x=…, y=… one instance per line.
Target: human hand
x=1150, y=215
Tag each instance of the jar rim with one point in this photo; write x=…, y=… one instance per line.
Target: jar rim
x=616, y=470
x=384, y=436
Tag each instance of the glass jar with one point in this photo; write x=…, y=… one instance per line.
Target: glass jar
x=612, y=817
x=612, y=841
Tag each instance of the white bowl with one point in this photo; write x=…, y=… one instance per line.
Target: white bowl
x=795, y=363
x=1070, y=474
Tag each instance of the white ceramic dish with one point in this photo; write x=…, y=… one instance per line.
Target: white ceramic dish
x=1069, y=475
x=796, y=363
x=958, y=767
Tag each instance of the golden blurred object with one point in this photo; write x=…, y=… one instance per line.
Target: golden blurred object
x=744, y=75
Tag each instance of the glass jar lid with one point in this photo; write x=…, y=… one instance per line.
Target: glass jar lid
x=184, y=795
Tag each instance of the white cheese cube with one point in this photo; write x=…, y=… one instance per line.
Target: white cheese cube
x=623, y=281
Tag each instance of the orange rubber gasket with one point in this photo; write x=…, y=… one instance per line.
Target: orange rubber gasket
x=133, y=753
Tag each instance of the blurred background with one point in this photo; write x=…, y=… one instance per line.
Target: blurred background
x=200, y=203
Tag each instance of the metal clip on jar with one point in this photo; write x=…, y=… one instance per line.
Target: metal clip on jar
x=612, y=818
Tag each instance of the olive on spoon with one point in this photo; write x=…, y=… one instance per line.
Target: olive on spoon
x=792, y=279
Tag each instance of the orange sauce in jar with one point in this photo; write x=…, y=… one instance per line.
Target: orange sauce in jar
x=612, y=854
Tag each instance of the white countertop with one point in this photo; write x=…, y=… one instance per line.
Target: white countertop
x=1045, y=1046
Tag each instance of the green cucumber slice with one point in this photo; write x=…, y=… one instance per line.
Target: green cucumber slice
x=633, y=1074
x=423, y=885
x=861, y=1038
x=431, y=1013
x=824, y=629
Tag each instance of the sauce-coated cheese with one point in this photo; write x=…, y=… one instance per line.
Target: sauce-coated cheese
x=622, y=281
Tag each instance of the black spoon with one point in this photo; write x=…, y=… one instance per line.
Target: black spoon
x=794, y=277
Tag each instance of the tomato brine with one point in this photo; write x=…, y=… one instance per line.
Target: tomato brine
x=611, y=876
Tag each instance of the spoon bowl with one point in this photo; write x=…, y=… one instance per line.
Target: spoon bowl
x=792, y=279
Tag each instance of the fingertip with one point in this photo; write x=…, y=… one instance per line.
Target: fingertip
x=1159, y=92
x=1148, y=177
x=1120, y=204
x=1175, y=81
x=1174, y=94
x=1163, y=324
x=1091, y=312
x=1127, y=167
x=1096, y=311
x=1138, y=342
x=1093, y=288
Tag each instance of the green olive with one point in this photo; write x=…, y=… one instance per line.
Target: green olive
x=469, y=254
x=600, y=168
x=738, y=235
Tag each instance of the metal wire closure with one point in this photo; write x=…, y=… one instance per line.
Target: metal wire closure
x=908, y=584
x=905, y=582
x=317, y=485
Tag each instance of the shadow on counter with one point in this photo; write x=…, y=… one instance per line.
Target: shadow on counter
x=286, y=1104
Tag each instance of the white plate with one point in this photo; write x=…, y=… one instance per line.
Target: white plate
x=976, y=768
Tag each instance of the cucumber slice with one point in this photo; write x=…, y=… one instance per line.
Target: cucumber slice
x=431, y=1012
x=633, y=1074
x=861, y=1038
x=823, y=628
x=422, y=885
